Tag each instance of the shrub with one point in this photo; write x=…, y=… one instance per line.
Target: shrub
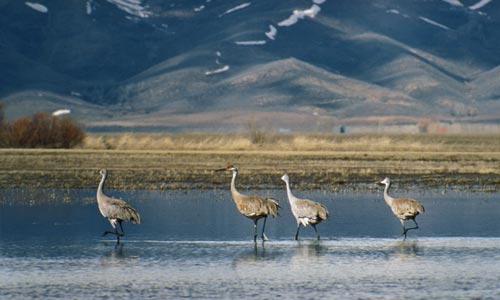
x=257, y=135
x=44, y=131
x=19, y=133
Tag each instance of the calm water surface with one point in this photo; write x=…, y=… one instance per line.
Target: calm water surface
x=196, y=245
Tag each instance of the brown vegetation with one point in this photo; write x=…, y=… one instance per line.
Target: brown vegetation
x=270, y=141
x=326, y=161
x=42, y=131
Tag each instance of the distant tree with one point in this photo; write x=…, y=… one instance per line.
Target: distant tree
x=69, y=134
x=19, y=133
x=44, y=131
x=256, y=133
x=43, y=134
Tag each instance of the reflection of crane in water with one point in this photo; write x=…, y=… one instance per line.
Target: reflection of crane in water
x=253, y=207
x=305, y=211
x=402, y=208
x=115, y=210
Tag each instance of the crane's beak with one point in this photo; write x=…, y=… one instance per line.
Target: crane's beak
x=220, y=170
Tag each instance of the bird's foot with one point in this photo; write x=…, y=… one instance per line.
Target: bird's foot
x=112, y=232
x=264, y=237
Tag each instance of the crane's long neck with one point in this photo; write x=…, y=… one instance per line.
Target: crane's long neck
x=234, y=191
x=291, y=197
x=100, y=193
x=388, y=199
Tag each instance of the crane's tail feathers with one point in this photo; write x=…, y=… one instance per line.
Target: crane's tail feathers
x=323, y=212
x=273, y=207
x=131, y=214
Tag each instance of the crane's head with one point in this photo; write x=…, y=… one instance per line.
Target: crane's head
x=229, y=167
x=285, y=178
x=386, y=181
x=103, y=172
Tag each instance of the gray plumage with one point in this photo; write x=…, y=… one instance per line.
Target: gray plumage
x=403, y=208
x=305, y=211
x=253, y=207
x=115, y=210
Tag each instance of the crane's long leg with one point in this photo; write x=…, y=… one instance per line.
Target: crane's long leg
x=264, y=237
x=297, y=233
x=118, y=235
x=113, y=232
x=316, y=230
x=416, y=225
x=113, y=224
x=255, y=230
x=404, y=229
x=121, y=227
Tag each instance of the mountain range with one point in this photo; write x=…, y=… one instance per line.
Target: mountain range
x=222, y=65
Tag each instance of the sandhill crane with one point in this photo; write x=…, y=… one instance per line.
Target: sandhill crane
x=402, y=208
x=305, y=211
x=253, y=207
x=115, y=210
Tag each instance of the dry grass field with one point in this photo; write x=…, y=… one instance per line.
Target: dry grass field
x=323, y=161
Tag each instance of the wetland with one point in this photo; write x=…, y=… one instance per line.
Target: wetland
x=315, y=161
x=194, y=244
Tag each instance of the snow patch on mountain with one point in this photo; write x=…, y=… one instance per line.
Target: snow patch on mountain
x=300, y=14
x=296, y=15
x=396, y=12
x=231, y=10
x=454, y=2
x=271, y=34
x=217, y=71
x=434, y=23
x=132, y=7
x=479, y=4
x=250, y=43
x=89, y=7
x=60, y=112
x=37, y=6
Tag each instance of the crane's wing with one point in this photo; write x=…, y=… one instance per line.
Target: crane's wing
x=256, y=206
x=119, y=209
x=407, y=208
x=272, y=206
x=306, y=208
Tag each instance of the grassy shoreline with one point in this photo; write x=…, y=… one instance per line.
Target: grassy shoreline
x=313, y=161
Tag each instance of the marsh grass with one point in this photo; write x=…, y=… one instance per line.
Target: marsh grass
x=192, y=141
x=324, y=161
x=294, y=142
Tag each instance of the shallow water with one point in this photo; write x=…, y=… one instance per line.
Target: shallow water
x=195, y=245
